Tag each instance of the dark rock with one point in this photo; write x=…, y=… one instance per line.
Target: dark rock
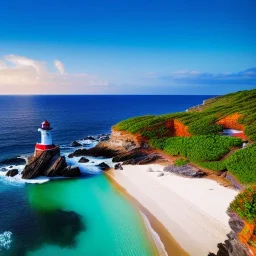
x=83, y=160
x=56, y=166
x=14, y=161
x=99, y=150
x=12, y=173
x=71, y=172
x=103, y=166
x=89, y=138
x=160, y=174
x=137, y=156
x=49, y=163
x=232, y=246
x=129, y=155
x=3, y=169
x=40, y=164
x=10, y=166
x=143, y=160
x=76, y=144
x=185, y=170
x=235, y=223
x=118, y=166
x=78, y=152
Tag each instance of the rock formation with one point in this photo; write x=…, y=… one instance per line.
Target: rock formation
x=83, y=160
x=14, y=161
x=103, y=166
x=12, y=173
x=233, y=246
x=186, y=170
x=76, y=144
x=49, y=163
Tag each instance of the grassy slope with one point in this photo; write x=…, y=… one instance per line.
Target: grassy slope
x=205, y=148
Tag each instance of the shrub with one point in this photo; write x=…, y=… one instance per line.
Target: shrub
x=213, y=165
x=242, y=163
x=245, y=205
x=181, y=162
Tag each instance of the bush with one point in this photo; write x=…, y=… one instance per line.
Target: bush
x=181, y=162
x=213, y=165
x=242, y=163
x=245, y=205
x=197, y=148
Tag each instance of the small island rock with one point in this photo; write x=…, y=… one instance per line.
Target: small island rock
x=83, y=160
x=76, y=144
x=103, y=166
x=12, y=173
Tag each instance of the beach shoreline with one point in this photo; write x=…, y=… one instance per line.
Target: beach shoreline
x=189, y=215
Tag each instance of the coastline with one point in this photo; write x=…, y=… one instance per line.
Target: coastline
x=193, y=225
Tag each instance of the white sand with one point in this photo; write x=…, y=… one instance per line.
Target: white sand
x=192, y=210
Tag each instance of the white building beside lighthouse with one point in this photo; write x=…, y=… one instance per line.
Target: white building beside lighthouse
x=46, y=137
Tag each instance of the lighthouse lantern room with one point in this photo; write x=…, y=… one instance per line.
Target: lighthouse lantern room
x=46, y=137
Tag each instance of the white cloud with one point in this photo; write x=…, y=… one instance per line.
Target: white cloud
x=19, y=74
x=60, y=66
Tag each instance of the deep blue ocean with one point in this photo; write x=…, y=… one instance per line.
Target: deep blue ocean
x=72, y=217
x=74, y=117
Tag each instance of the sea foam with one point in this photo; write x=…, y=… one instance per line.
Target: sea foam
x=5, y=240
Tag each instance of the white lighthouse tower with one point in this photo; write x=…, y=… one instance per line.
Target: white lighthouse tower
x=46, y=137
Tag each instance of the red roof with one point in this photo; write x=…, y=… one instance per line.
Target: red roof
x=45, y=122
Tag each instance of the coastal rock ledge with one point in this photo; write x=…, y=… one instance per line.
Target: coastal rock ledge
x=233, y=246
x=49, y=163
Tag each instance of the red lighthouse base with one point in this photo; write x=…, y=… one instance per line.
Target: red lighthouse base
x=42, y=147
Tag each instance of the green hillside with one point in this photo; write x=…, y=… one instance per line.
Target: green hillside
x=205, y=147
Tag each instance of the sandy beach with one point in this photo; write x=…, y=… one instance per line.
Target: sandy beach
x=192, y=210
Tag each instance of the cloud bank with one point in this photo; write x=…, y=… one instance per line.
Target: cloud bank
x=19, y=74
x=196, y=77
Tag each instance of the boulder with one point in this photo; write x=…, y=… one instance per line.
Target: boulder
x=118, y=166
x=89, y=138
x=12, y=172
x=185, y=170
x=14, y=161
x=83, y=160
x=103, y=166
x=100, y=150
x=71, y=172
x=76, y=144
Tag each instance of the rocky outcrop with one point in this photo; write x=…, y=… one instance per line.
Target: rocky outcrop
x=102, y=149
x=76, y=144
x=138, y=156
x=83, y=160
x=48, y=163
x=233, y=246
x=12, y=173
x=103, y=166
x=118, y=166
x=13, y=161
x=186, y=170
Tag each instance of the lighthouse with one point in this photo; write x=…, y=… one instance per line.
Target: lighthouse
x=46, y=137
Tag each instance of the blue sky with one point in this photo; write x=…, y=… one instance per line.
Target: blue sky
x=127, y=47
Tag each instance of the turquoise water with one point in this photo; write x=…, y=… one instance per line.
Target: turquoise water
x=107, y=223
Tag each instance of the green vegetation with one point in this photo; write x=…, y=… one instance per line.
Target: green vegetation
x=202, y=120
x=242, y=164
x=181, y=162
x=205, y=147
x=213, y=165
x=197, y=148
x=245, y=205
